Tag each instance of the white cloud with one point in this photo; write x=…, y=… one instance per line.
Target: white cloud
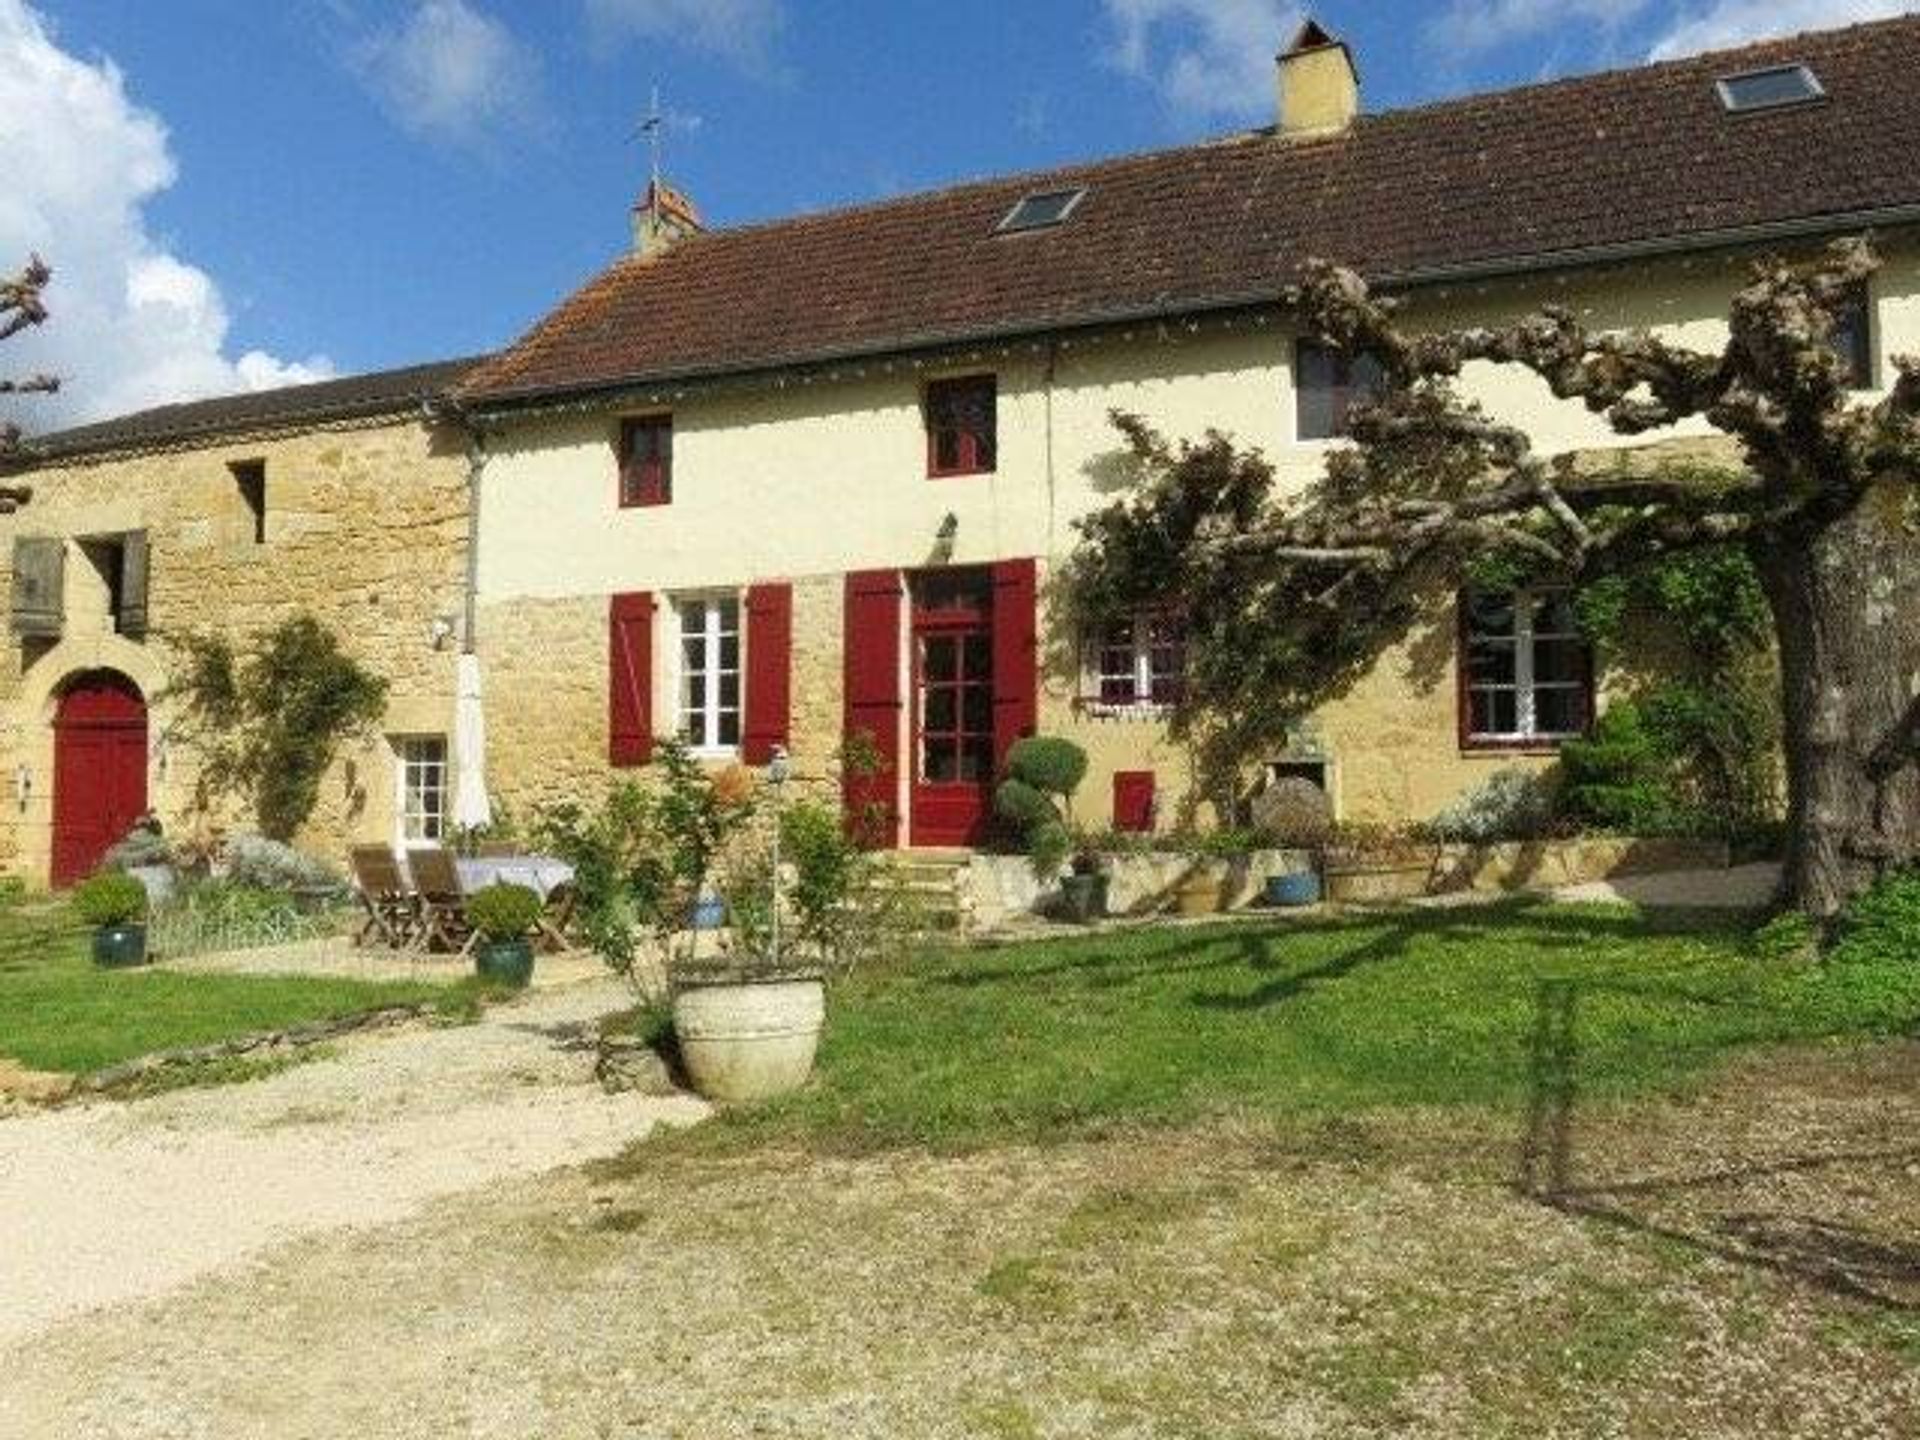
x=1208, y=58
x=132, y=324
x=743, y=32
x=1735, y=22
x=1477, y=26
x=452, y=74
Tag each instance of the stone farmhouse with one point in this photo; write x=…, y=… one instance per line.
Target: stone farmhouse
x=786, y=483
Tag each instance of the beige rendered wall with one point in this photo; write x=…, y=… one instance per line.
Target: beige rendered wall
x=366, y=530
x=808, y=481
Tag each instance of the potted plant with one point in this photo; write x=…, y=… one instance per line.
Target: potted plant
x=1042, y=774
x=748, y=1020
x=115, y=904
x=504, y=916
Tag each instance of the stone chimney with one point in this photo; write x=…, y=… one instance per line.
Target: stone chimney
x=662, y=217
x=1319, y=86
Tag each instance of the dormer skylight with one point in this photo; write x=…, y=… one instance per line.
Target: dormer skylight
x=1042, y=211
x=1771, y=89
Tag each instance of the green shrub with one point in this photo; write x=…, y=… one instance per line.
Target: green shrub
x=1027, y=807
x=504, y=912
x=1620, y=778
x=110, y=898
x=254, y=862
x=1042, y=774
x=1048, y=764
x=1510, y=804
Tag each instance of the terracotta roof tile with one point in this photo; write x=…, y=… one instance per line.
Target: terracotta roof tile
x=1623, y=158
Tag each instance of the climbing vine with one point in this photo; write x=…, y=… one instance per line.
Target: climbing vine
x=266, y=722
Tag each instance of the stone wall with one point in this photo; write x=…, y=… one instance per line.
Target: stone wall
x=366, y=529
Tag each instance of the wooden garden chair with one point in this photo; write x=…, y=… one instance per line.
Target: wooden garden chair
x=385, y=896
x=551, y=930
x=443, y=904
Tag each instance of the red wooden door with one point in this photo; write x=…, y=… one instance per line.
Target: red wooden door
x=953, y=730
x=99, y=771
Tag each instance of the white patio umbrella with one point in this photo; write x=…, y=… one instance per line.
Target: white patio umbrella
x=470, y=806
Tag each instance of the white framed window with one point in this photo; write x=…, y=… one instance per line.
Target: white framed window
x=709, y=678
x=420, y=802
x=1528, y=672
x=1139, y=663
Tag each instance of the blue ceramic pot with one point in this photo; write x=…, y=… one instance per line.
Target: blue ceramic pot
x=1300, y=887
x=709, y=914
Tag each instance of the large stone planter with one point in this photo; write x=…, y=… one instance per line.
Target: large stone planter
x=748, y=1039
x=1378, y=880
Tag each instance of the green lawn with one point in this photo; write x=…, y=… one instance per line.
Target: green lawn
x=1486, y=1006
x=59, y=1013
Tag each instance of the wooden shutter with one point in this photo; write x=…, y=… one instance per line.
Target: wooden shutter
x=1016, y=656
x=133, y=584
x=873, y=705
x=769, y=665
x=39, y=586
x=1133, y=801
x=630, y=678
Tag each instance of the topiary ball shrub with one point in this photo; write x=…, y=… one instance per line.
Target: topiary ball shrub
x=110, y=898
x=1025, y=806
x=504, y=912
x=1048, y=764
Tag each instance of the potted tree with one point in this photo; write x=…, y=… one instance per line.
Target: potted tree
x=504, y=916
x=1042, y=774
x=115, y=904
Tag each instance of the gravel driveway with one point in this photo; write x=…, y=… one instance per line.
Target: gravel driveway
x=113, y=1203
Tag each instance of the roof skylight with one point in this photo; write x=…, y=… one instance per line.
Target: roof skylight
x=1769, y=89
x=1042, y=210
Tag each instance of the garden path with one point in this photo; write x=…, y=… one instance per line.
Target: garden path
x=107, y=1203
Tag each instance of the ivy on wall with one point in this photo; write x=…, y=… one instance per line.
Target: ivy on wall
x=267, y=721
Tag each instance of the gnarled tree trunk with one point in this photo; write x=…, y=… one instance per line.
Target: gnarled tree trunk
x=1846, y=610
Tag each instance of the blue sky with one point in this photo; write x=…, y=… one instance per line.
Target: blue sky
x=239, y=193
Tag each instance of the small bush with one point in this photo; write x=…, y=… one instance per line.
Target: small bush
x=110, y=898
x=1025, y=806
x=504, y=912
x=1047, y=763
x=257, y=863
x=1620, y=778
x=1511, y=804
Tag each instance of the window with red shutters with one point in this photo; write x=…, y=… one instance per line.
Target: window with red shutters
x=630, y=679
x=646, y=461
x=962, y=426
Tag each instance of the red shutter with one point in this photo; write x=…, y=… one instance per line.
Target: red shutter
x=873, y=703
x=630, y=678
x=1016, y=656
x=1133, y=801
x=769, y=662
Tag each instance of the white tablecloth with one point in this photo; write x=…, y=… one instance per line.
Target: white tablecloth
x=541, y=874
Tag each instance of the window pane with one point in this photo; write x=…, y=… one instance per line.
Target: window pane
x=979, y=657
x=729, y=652
x=977, y=710
x=1552, y=613
x=1852, y=339
x=1491, y=662
x=1489, y=614
x=1559, y=711
x=729, y=729
x=730, y=692
x=1313, y=381
x=938, y=762
x=940, y=658
x=942, y=710
x=1559, y=660
x=976, y=758
x=1493, y=712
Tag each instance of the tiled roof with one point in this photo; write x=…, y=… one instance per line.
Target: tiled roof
x=1643, y=158
x=350, y=397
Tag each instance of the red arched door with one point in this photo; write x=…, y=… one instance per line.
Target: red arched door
x=99, y=770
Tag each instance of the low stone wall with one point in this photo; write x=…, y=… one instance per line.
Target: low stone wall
x=1000, y=888
x=1517, y=866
